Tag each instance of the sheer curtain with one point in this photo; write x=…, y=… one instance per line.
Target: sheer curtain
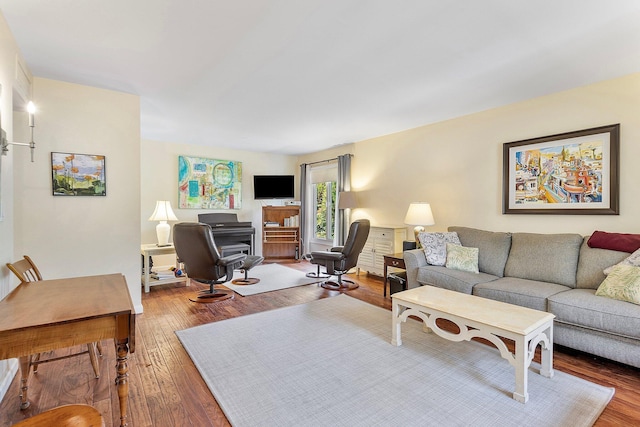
x=344, y=184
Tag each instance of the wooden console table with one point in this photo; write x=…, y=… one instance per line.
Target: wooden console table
x=41, y=316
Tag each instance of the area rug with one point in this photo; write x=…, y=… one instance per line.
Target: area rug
x=330, y=363
x=272, y=278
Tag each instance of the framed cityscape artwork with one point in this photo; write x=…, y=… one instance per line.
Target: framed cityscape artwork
x=209, y=183
x=569, y=173
x=78, y=174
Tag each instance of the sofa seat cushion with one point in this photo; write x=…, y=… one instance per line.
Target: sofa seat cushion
x=523, y=292
x=549, y=258
x=493, y=247
x=583, y=308
x=454, y=280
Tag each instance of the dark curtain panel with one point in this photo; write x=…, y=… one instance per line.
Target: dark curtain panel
x=304, y=220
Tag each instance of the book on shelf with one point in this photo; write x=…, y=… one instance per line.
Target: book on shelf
x=163, y=274
x=271, y=224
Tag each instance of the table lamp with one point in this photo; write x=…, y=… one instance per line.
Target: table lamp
x=419, y=214
x=163, y=213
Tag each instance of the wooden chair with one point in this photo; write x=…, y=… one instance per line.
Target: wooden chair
x=26, y=271
x=65, y=416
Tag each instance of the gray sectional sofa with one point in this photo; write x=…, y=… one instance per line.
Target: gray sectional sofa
x=558, y=273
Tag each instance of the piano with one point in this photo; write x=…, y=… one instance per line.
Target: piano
x=228, y=231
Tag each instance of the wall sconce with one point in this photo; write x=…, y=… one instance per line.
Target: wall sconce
x=31, y=109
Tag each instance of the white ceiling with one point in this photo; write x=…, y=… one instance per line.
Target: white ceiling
x=298, y=76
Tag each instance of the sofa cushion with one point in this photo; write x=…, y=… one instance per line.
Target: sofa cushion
x=454, y=280
x=623, y=283
x=549, y=258
x=523, y=292
x=493, y=248
x=592, y=262
x=583, y=308
x=633, y=259
x=615, y=241
x=462, y=258
x=435, y=246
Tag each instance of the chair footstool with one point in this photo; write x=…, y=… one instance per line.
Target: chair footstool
x=250, y=262
x=318, y=275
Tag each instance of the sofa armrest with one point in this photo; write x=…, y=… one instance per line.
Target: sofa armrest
x=413, y=260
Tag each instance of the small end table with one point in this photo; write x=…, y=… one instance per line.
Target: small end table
x=391, y=260
x=152, y=249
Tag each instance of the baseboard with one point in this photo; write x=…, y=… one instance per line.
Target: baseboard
x=7, y=377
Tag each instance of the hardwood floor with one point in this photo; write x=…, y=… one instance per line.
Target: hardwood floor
x=165, y=388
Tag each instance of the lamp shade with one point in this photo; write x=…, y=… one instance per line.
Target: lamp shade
x=419, y=213
x=163, y=212
x=347, y=200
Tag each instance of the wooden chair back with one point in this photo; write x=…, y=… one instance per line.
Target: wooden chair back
x=65, y=416
x=25, y=270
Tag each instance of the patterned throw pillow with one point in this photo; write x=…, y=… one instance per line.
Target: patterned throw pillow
x=622, y=283
x=633, y=259
x=434, y=245
x=462, y=258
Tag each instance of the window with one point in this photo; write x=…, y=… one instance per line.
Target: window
x=324, y=199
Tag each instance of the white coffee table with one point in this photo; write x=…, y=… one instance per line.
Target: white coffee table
x=484, y=318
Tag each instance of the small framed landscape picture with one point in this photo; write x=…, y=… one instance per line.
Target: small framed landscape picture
x=78, y=174
x=570, y=173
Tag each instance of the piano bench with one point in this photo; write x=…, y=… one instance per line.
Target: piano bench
x=233, y=249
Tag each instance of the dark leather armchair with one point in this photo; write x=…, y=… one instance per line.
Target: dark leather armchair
x=340, y=259
x=196, y=248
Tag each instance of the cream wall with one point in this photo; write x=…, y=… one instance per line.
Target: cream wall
x=456, y=165
x=159, y=167
x=81, y=236
x=8, y=52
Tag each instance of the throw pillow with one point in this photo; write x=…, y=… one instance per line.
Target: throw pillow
x=623, y=283
x=434, y=245
x=462, y=258
x=622, y=242
x=633, y=259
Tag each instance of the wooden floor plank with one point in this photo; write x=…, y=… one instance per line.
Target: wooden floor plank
x=165, y=388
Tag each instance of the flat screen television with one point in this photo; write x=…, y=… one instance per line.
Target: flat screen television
x=273, y=187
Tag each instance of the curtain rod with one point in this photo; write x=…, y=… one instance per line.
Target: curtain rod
x=324, y=161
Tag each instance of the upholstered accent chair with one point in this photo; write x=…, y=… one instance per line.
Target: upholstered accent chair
x=340, y=259
x=196, y=248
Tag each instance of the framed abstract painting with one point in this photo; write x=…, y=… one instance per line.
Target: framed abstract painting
x=209, y=183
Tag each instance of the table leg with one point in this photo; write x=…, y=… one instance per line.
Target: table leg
x=522, y=378
x=122, y=381
x=546, y=353
x=25, y=368
x=396, y=333
x=146, y=272
x=384, y=285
